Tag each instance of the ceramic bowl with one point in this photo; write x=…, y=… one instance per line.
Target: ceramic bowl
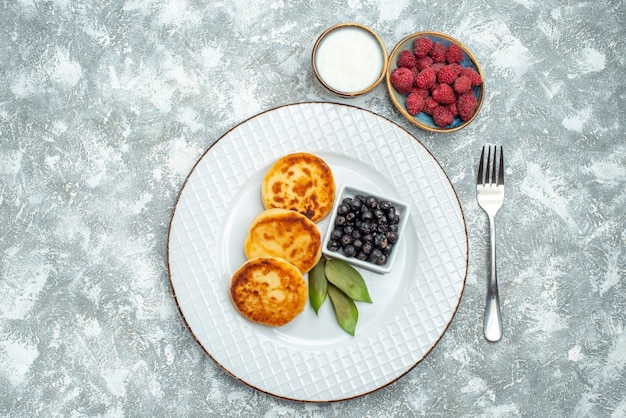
x=402, y=209
x=349, y=59
x=421, y=119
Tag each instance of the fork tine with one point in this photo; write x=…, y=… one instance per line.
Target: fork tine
x=492, y=165
x=501, y=168
x=488, y=176
x=481, y=173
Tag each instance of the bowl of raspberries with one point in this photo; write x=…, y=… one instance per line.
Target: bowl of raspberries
x=435, y=82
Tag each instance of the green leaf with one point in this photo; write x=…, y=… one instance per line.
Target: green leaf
x=347, y=279
x=345, y=309
x=318, y=285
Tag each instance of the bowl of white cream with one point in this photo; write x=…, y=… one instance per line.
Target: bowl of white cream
x=349, y=59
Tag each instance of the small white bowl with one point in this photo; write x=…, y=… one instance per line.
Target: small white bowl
x=349, y=59
x=402, y=209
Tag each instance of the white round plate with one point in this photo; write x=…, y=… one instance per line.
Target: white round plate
x=312, y=358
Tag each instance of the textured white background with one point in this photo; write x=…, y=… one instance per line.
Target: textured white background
x=106, y=105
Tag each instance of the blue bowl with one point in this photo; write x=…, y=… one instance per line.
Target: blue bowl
x=421, y=119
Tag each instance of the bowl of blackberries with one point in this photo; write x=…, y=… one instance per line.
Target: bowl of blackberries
x=435, y=82
x=365, y=229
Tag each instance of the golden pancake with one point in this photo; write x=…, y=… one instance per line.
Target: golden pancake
x=269, y=291
x=286, y=234
x=301, y=182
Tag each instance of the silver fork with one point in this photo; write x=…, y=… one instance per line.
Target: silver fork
x=490, y=193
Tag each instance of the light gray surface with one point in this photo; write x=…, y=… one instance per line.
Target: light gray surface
x=106, y=106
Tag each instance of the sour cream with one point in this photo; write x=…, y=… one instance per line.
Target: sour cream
x=349, y=59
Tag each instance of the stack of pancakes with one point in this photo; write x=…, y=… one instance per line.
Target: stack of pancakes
x=283, y=242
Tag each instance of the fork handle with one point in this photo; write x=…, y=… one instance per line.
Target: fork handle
x=493, y=318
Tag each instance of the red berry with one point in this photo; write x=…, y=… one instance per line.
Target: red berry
x=438, y=66
x=406, y=59
x=402, y=80
x=446, y=75
x=415, y=72
x=462, y=84
x=424, y=93
x=426, y=78
x=466, y=103
x=429, y=105
x=414, y=103
x=442, y=116
x=423, y=63
x=454, y=54
x=444, y=94
x=453, y=109
x=456, y=67
x=421, y=47
x=438, y=52
x=475, y=78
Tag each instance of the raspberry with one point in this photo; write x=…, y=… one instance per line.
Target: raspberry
x=456, y=67
x=453, y=109
x=444, y=94
x=426, y=78
x=466, y=103
x=446, y=75
x=429, y=105
x=424, y=93
x=414, y=103
x=421, y=47
x=423, y=63
x=415, y=73
x=438, y=52
x=402, y=80
x=437, y=66
x=442, y=116
x=406, y=59
x=454, y=54
x=475, y=78
x=462, y=84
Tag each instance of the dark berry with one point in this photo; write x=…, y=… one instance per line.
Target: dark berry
x=380, y=241
x=349, y=251
x=367, y=215
x=365, y=228
x=375, y=255
x=343, y=209
x=333, y=245
x=371, y=202
x=356, y=204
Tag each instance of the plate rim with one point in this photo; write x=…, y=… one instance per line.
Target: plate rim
x=177, y=201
